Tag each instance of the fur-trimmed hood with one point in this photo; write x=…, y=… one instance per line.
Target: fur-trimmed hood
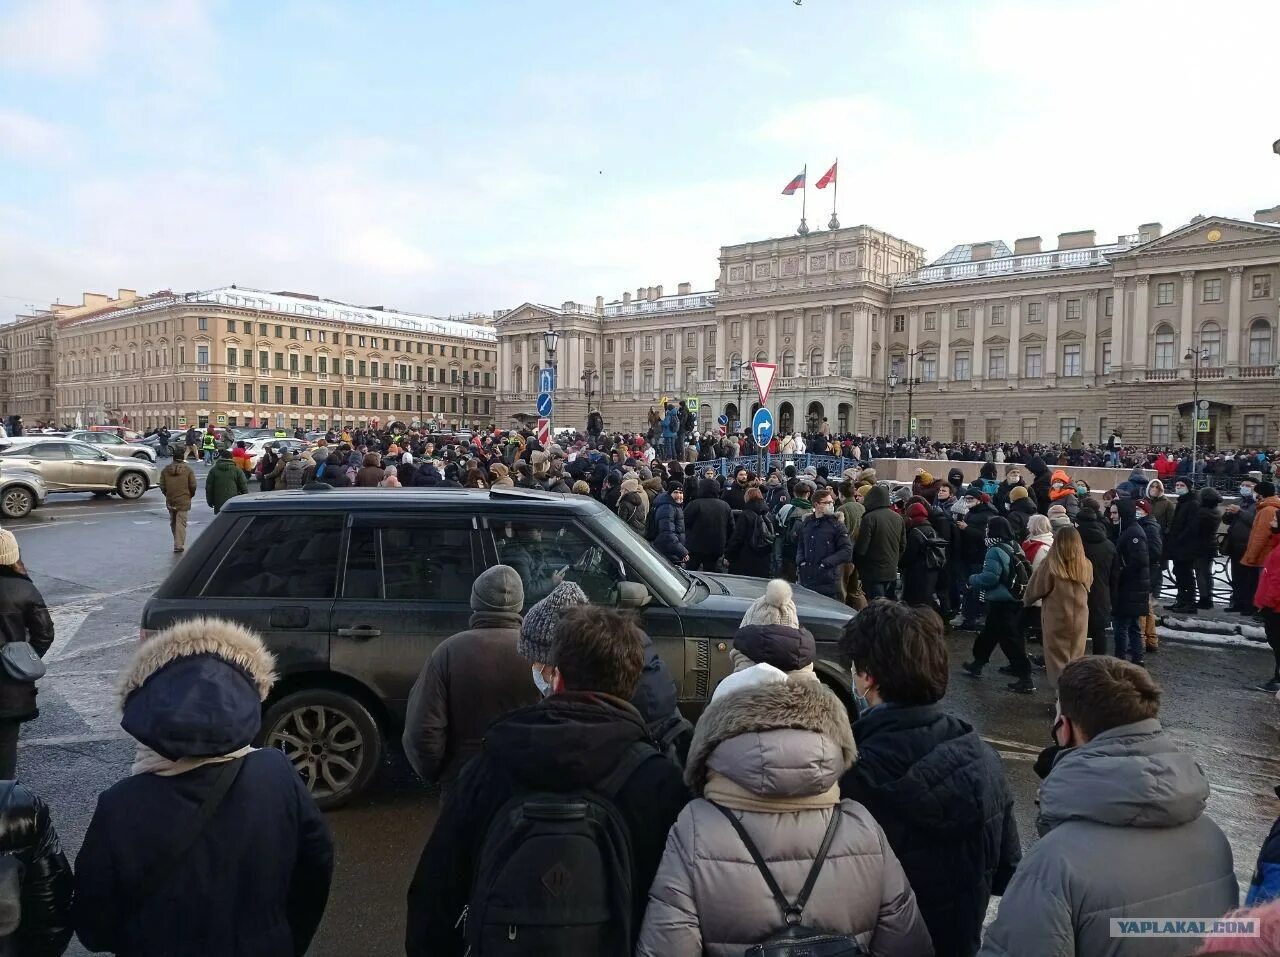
x=227, y=640
x=786, y=740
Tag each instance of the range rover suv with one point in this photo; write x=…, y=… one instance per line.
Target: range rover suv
x=352, y=589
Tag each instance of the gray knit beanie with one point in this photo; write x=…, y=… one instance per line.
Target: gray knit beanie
x=498, y=589
x=540, y=623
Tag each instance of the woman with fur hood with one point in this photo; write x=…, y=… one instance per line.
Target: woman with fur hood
x=766, y=763
x=211, y=846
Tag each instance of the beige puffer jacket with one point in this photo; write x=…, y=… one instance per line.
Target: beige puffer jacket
x=774, y=755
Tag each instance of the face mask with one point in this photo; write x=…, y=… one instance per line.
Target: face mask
x=1015, y=479
x=863, y=703
x=544, y=686
x=824, y=509
x=1246, y=491
x=1179, y=490
x=1057, y=486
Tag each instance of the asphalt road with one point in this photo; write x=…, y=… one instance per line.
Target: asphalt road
x=96, y=561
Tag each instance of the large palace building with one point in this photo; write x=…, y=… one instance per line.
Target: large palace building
x=984, y=343
x=237, y=356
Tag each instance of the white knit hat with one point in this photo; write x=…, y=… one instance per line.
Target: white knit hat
x=774, y=607
x=8, y=547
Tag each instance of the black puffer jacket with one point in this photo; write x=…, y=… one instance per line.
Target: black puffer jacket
x=1208, y=518
x=939, y=792
x=1102, y=556
x=1020, y=513
x=822, y=546
x=708, y=520
x=1040, y=483
x=744, y=559
x=973, y=548
x=1133, y=584
x=1239, y=526
x=1180, y=543
x=1155, y=550
x=784, y=647
x=657, y=701
x=23, y=617
x=27, y=833
x=669, y=518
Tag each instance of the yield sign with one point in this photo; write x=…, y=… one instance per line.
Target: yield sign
x=764, y=373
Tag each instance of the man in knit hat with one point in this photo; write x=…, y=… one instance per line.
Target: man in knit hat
x=470, y=679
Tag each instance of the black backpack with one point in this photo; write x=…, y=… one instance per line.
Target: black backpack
x=764, y=533
x=935, y=549
x=651, y=522
x=794, y=939
x=555, y=873
x=1019, y=574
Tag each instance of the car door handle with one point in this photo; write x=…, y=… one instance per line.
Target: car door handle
x=359, y=631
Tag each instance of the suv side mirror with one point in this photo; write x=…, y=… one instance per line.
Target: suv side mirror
x=633, y=595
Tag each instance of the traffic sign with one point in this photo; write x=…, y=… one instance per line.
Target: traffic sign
x=544, y=432
x=1202, y=425
x=762, y=426
x=764, y=373
x=1203, y=406
x=544, y=403
x=724, y=429
x=693, y=404
x=547, y=380
x=915, y=423
x=723, y=420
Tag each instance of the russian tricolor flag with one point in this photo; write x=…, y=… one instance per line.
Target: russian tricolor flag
x=795, y=184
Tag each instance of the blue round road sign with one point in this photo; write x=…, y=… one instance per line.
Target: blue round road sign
x=544, y=404
x=723, y=420
x=762, y=426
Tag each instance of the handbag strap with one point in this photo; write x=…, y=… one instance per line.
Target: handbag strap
x=160, y=872
x=791, y=913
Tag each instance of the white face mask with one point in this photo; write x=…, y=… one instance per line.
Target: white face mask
x=544, y=686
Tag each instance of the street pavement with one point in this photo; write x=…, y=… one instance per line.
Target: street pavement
x=97, y=560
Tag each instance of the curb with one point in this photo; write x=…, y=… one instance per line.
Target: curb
x=1210, y=632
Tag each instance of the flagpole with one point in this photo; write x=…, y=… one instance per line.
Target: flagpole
x=804, y=200
x=835, y=191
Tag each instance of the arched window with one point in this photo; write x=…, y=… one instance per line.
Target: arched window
x=846, y=363
x=1260, y=343
x=1162, y=358
x=788, y=364
x=761, y=357
x=517, y=379
x=815, y=362
x=1211, y=343
x=731, y=371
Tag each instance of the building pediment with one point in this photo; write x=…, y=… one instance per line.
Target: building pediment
x=1208, y=232
x=996, y=340
x=527, y=312
x=1032, y=337
x=961, y=343
x=1072, y=336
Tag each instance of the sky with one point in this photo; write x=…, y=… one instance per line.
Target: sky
x=471, y=155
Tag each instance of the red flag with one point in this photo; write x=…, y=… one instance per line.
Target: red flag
x=828, y=177
x=794, y=185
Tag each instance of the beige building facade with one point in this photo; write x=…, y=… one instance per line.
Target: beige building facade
x=986, y=343
x=236, y=356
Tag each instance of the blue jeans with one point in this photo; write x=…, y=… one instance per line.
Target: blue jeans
x=1128, y=637
x=208, y=456
x=878, y=589
x=669, y=447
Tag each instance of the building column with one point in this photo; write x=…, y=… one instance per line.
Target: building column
x=680, y=387
x=977, y=366
x=1121, y=350
x=829, y=316
x=771, y=318
x=722, y=327
x=913, y=329
x=502, y=365
x=1051, y=345
x=617, y=366
x=1015, y=335
x=862, y=325
x=1090, y=332
x=944, y=344
x=1186, y=333
x=637, y=343
x=1231, y=348
x=702, y=353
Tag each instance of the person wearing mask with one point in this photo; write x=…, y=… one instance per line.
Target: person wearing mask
x=1060, y=583
x=1267, y=596
x=1208, y=518
x=471, y=679
x=765, y=767
x=936, y=788
x=1036, y=548
x=1155, y=554
x=1123, y=805
x=1063, y=492
x=668, y=516
x=1260, y=542
x=749, y=549
x=178, y=483
x=790, y=518
x=708, y=523
x=973, y=514
x=923, y=556
x=1129, y=600
x=880, y=544
x=1003, y=610
x=1101, y=553
x=211, y=846
x=37, y=911
x=224, y=482
x=583, y=738
x=823, y=545
x=1180, y=546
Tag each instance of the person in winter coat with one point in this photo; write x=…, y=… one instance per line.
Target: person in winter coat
x=1012, y=480
x=254, y=878
x=823, y=546
x=1180, y=546
x=669, y=518
x=266, y=469
x=224, y=482
x=1130, y=599
x=1035, y=547
x=987, y=479
x=770, y=645
x=736, y=494
x=1061, y=582
x=1063, y=492
x=1020, y=510
x=1155, y=553
x=936, y=788
x=1238, y=519
x=1121, y=804
x=1260, y=540
x=1162, y=505
x=1002, y=626
x=571, y=740
x=922, y=559
x=1039, y=483
x=1101, y=553
x=882, y=538
x=708, y=523
x=1135, y=486
x=1208, y=518
x=43, y=901
x=633, y=507
x=1267, y=596
x=766, y=763
x=925, y=486
x=850, y=512
x=471, y=679
x=971, y=522
x=178, y=483
x=23, y=617
x=370, y=474
x=295, y=472
x=746, y=551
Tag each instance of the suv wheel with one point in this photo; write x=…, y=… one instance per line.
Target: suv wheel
x=131, y=485
x=17, y=502
x=331, y=740
x=142, y=455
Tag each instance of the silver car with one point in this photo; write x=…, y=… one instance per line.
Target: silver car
x=21, y=489
x=65, y=465
x=112, y=444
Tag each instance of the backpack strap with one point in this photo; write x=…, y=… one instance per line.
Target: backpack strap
x=636, y=754
x=791, y=913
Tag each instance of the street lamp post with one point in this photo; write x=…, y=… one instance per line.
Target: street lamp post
x=1196, y=356
x=551, y=339
x=735, y=375
x=912, y=382
x=588, y=383
x=893, y=384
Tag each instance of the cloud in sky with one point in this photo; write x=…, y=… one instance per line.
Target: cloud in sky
x=444, y=158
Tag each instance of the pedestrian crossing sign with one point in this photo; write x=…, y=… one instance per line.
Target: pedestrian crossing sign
x=1202, y=425
x=693, y=404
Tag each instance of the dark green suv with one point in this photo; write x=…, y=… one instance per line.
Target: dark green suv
x=352, y=589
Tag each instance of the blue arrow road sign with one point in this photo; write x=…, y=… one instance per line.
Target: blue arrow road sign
x=762, y=426
x=547, y=380
x=544, y=404
x=723, y=420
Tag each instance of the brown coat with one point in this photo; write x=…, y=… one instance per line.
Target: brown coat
x=1260, y=540
x=1064, y=617
x=178, y=483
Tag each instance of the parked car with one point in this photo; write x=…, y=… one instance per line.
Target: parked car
x=69, y=466
x=21, y=489
x=353, y=589
x=112, y=444
x=256, y=447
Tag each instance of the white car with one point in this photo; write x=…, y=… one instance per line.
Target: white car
x=255, y=447
x=113, y=445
